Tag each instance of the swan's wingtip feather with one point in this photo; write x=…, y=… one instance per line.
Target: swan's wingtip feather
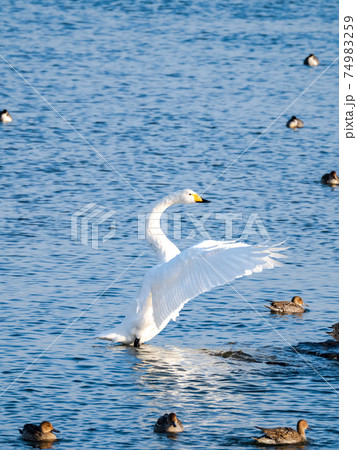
x=107, y=336
x=103, y=338
x=271, y=263
x=277, y=255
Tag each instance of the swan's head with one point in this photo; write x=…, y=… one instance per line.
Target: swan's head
x=188, y=196
x=47, y=427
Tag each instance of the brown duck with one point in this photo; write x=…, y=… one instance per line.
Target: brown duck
x=311, y=60
x=295, y=306
x=283, y=435
x=331, y=179
x=37, y=433
x=5, y=116
x=294, y=123
x=168, y=423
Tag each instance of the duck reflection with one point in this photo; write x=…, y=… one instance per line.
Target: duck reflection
x=41, y=445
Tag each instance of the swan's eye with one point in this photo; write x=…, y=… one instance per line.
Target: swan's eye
x=189, y=193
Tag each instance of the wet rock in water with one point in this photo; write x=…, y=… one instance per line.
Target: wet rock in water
x=327, y=349
x=335, y=333
x=277, y=363
x=234, y=354
x=246, y=357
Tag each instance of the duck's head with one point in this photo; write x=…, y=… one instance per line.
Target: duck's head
x=5, y=116
x=188, y=196
x=302, y=426
x=172, y=419
x=333, y=178
x=47, y=427
x=298, y=300
x=293, y=118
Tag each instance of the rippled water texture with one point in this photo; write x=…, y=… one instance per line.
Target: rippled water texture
x=170, y=93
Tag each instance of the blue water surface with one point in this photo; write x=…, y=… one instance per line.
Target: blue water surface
x=119, y=103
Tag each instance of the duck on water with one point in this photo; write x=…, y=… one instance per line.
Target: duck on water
x=296, y=305
x=294, y=123
x=283, y=435
x=311, y=60
x=168, y=423
x=5, y=116
x=38, y=433
x=331, y=179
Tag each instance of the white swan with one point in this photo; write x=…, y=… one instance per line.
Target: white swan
x=180, y=276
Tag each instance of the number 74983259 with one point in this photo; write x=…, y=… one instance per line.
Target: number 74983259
x=348, y=46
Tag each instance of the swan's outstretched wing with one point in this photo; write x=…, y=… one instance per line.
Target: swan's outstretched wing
x=201, y=268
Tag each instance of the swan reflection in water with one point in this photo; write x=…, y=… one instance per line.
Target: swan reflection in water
x=197, y=385
x=181, y=376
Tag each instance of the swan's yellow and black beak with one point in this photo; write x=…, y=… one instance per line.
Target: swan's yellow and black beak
x=199, y=199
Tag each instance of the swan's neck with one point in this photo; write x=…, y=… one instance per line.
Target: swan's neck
x=164, y=248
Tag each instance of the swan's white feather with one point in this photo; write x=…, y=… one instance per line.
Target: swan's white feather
x=200, y=269
x=180, y=277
